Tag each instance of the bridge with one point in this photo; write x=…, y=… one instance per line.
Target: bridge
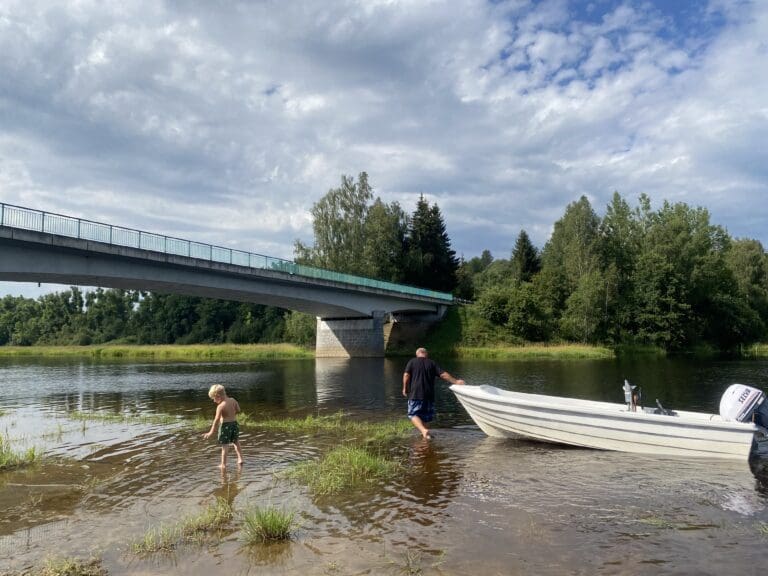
x=355, y=315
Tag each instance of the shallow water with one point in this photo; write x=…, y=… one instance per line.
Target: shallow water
x=467, y=504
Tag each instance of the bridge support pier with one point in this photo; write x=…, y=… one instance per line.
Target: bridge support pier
x=351, y=337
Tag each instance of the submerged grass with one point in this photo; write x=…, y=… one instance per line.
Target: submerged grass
x=344, y=468
x=171, y=352
x=68, y=567
x=195, y=528
x=340, y=424
x=265, y=524
x=10, y=458
x=122, y=418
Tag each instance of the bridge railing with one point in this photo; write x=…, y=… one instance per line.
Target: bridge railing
x=39, y=221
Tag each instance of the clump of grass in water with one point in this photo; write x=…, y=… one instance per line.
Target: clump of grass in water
x=266, y=524
x=69, y=567
x=341, y=425
x=157, y=539
x=166, y=538
x=343, y=468
x=762, y=527
x=9, y=458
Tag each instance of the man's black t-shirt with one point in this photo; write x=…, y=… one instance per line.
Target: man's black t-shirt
x=421, y=385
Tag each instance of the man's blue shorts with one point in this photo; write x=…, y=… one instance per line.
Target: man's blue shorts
x=424, y=409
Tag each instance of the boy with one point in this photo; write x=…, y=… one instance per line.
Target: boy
x=229, y=432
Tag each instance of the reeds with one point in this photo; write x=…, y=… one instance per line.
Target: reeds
x=10, y=458
x=267, y=524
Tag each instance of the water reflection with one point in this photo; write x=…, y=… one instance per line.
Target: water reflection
x=509, y=503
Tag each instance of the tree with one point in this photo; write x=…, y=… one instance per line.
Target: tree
x=620, y=235
x=569, y=255
x=385, y=229
x=431, y=263
x=339, y=228
x=525, y=258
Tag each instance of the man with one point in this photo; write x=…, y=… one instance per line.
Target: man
x=419, y=388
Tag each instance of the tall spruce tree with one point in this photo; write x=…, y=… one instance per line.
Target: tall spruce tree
x=525, y=258
x=431, y=262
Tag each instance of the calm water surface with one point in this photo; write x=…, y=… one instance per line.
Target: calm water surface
x=467, y=504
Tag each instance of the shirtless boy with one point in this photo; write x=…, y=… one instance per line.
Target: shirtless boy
x=229, y=432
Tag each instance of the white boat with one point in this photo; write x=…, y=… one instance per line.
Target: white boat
x=607, y=426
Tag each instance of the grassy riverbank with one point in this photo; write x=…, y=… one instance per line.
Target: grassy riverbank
x=164, y=352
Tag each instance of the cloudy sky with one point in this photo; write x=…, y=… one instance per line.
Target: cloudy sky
x=223, y=122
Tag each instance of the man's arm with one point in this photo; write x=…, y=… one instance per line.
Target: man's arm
x=448, y=378
x=406, y=379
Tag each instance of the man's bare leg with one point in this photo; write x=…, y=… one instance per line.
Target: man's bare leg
x=420, y=427
x=239, y=453
x=223, y=457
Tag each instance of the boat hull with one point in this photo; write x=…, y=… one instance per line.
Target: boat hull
x=603, y=425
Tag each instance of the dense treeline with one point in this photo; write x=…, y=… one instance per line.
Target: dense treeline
x=99, y=316
x=667, y=278
x=359, y=235
x=635, y=276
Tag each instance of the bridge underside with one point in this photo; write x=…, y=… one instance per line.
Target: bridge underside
x=350, y=321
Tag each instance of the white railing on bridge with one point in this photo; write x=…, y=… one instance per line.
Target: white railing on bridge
x=39, y=221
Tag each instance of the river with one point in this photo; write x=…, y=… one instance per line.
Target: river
x=468, y=504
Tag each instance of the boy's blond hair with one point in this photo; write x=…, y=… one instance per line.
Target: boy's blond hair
x=217, y=390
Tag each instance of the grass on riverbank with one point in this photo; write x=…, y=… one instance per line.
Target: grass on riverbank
x=10, y=458
x=191, y=529
x=344, y=468
x=267, y=524
x=756, y=351
x=535, y=351
x=164, y=352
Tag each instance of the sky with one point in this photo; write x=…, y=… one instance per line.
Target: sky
x=224, y=122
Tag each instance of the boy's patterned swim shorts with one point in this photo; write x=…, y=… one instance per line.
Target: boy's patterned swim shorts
x=229, y=432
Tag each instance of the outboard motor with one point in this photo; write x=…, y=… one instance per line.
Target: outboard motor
x=744, y=404
x=631, y=396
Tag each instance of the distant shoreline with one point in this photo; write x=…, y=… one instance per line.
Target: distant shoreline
x=161, y=352
x=247, y=352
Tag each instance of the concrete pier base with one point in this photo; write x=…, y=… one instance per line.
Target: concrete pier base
x=350, y=337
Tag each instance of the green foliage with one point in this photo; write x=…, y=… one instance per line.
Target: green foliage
x=668, y=279
x=338, y=221
x=300, y=328
x=101, y=316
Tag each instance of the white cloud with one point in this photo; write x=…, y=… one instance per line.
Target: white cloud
x=225, y=124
